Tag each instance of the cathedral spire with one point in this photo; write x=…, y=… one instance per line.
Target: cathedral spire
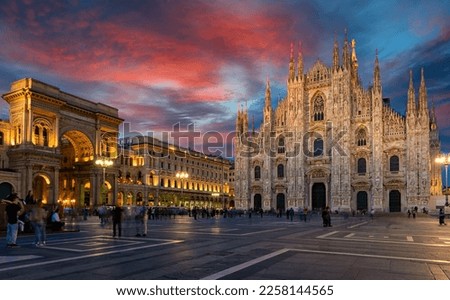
x=300, y=61
x=291, y=64
x=433, y=121
x=354, y=58
x=345, y=53
x=376, y=74
x=268, y=104
x=245, y=120
x=411, y=107
x=354, y=62
x=423, y=107
x=238, y=120
x=268, y=99
x=253, y=125
x=335, y=55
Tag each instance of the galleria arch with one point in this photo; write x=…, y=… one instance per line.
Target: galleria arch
x=55, y=140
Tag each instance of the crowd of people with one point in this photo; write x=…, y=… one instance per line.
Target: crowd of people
x=32, y=215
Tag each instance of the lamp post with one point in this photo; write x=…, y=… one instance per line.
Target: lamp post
x=444, y=159
x=182, y=176
x=104, y=162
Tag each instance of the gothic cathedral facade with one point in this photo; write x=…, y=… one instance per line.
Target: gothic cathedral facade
x=331, y=142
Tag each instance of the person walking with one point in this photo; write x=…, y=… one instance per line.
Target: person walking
x=141, y=220
x=38, y=217
x=117, y=220
x=14, y=209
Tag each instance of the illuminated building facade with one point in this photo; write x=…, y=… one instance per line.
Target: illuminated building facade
x=149, y=171
x=66, y=150
x=331, y=142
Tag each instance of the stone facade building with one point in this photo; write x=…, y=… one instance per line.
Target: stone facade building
x=331, y=142
x=54, y=144
x=51, y=142
x=149, y=169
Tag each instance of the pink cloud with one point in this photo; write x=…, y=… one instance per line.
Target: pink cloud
x=109, y=51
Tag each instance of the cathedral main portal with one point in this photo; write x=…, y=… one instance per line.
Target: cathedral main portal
x=318, y=196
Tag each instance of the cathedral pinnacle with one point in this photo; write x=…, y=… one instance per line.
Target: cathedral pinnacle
x=354, y=61
x=433, y=114
x=411, y=106
x=423, y=107
x=335, y=55
x=268, y=99
x=300, y=61
x=345, y=52
x=376, y=73
x=291, y=64
x=268, y=104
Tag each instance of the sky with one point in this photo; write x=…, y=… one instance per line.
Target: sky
x=193, y=63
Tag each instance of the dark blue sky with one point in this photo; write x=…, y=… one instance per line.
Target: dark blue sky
x=164, y=62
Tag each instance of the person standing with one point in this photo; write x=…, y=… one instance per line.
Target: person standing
x=145, y=221
x=326, y=217
x=291, y=214
x=117, y=220
x=38, y=217
x=14, y=209
x=442, y=217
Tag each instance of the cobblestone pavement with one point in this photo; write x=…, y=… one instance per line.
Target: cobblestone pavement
x=387, y=247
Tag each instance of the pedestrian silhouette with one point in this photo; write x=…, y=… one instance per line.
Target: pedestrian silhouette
x=117, y=220
x=14, y=209
x=442, y=217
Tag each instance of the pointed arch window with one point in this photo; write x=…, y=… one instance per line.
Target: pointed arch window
x=1, y=138
x=318, y=147
x=318, y=109
x=362, y=167
x=280, y=171
x=281, y=147
x=257, y=173
x=394, y=163
x=361, y=137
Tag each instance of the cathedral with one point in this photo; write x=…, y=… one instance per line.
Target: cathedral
x=332, y=142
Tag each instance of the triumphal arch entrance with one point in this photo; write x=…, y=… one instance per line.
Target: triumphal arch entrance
x=55, y=141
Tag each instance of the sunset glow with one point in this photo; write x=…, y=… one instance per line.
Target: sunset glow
x=167, y=62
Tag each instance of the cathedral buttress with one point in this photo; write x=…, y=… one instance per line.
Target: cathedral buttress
x=423, y=140
x=435, y=150
x=377, y=138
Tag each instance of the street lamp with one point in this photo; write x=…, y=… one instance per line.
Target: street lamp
x=104, y=162
x=444, y=159
x=182, y=176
